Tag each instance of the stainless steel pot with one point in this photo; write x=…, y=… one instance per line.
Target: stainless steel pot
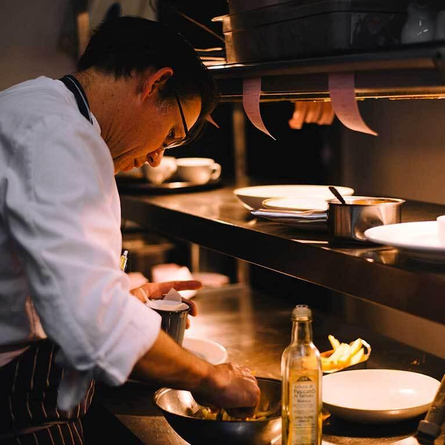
x=348, y=222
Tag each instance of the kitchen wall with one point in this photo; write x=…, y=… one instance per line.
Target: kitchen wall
x=32, y=32
x=29, y=35
x=407, y=159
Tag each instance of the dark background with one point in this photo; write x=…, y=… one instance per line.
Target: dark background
x=307, y=156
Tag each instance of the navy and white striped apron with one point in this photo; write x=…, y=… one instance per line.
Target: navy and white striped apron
x=28, y=401
x=29, y=383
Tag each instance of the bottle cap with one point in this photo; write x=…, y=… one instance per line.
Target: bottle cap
x=302, y=312
x=429, y=429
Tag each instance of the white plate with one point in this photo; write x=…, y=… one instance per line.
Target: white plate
x=206, y=349
x=296, y=204
x=417, y=239
x=253, y=197
x=378, y=395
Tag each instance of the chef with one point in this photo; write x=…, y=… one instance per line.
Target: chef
x=67, y=314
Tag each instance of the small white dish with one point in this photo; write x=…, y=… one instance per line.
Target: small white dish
x=378, y=395
x=208, y=350
x=419, y=240
x=252, y=197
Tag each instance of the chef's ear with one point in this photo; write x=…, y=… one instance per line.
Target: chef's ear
x=155, y=81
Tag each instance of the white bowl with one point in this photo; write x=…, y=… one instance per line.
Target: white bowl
x=208, y=350
x=253, y=197
x=378, y=395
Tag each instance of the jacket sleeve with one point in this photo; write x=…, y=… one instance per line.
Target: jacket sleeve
x=63, y=213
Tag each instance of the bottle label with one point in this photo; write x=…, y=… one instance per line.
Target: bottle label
x=303, y=409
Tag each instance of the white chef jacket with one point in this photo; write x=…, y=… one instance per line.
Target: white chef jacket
x=60, y=242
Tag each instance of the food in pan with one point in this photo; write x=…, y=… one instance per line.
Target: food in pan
x=344, y=355
x=263, y=412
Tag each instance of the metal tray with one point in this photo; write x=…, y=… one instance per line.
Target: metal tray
x=141, y=186
x=298, y=29
x=239, y=6
x=284, y=12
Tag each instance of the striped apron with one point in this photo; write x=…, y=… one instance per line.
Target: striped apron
x=29, y=383
x=28, y=401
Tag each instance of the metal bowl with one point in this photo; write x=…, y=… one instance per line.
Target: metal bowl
x=348, y=222
x=174, y=404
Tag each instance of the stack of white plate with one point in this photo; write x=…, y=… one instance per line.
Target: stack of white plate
x=307, y=196
x=302, y=206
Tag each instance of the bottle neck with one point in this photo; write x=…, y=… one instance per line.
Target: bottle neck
x=301, y=332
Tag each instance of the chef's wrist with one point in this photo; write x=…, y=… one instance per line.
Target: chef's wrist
x=212, y=383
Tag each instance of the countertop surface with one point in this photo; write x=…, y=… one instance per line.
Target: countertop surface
x=255, y=328
x=216, y=219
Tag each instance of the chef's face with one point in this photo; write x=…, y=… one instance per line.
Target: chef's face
x=156, y=126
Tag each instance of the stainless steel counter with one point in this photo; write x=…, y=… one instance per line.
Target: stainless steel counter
x=216, y=219
x=255, y=328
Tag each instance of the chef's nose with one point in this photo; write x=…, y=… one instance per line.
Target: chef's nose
x=154, y=158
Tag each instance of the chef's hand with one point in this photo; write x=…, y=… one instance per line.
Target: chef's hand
x=233, y=388
x=155, y=291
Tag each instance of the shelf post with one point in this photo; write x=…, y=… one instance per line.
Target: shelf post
x=239, y=144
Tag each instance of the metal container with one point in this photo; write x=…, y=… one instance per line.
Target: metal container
x=177, y=407
x=174, y=323
x=278, y=30
x=348, y=222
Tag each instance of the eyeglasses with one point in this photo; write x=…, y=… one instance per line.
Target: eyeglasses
x=184, y=123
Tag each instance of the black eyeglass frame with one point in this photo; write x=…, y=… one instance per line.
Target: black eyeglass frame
x=184, y=123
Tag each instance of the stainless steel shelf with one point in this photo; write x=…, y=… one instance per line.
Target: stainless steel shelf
x=414, y=71
x=215, y=219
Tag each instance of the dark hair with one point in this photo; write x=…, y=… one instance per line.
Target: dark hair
x=127, y=45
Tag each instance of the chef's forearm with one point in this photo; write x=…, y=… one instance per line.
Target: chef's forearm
x=170, y=365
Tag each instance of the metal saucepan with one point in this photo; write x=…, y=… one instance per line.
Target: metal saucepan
x=348, y=222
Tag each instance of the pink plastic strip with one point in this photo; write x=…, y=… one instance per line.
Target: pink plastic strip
x=251, y=103
x=342, y=91
x=210, y=119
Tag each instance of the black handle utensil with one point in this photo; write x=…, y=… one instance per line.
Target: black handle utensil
x=336, y=193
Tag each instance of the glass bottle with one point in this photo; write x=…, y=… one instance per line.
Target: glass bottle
x=301, y=382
